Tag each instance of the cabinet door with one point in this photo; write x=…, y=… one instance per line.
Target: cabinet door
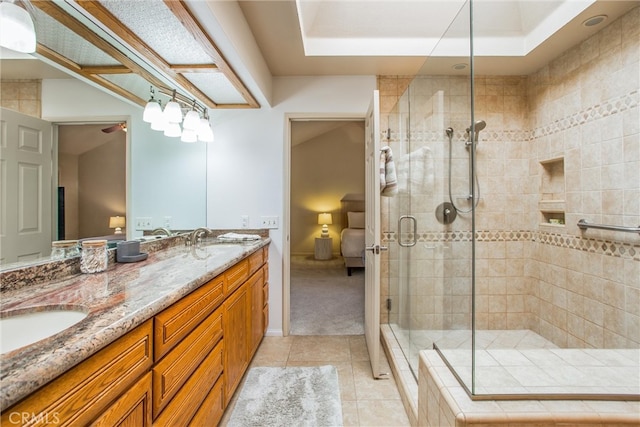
x=257, y=306
x=85, y=391
x=236, y=338
x=132, y=409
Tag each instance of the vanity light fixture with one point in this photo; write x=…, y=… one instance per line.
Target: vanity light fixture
x=153, y=110
x=16, y=28
x=172, y=111
x=172, y=130
x=191, y=119
x=158, y=123
x=205, y=134
x=194, y=127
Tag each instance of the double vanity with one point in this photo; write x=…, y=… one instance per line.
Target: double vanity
x=164, y=341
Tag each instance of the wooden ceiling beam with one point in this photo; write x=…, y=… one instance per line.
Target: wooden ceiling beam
x=192, y=25
x=107, y=69
x=102, y=14
x=195, y=68
x=78, y=69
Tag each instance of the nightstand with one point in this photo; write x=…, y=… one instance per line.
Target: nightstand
x=324, y=246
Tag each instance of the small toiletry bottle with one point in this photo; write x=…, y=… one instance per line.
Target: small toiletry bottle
x=94, y=257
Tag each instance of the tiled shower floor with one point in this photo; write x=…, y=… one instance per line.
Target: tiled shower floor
x=523, y=362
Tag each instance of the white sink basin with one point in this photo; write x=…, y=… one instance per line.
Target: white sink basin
x=25, y=328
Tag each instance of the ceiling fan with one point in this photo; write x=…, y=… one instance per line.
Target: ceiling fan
x=116, y=127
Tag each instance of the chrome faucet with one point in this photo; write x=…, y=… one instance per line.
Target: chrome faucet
x=197, y=233
x=161, y=230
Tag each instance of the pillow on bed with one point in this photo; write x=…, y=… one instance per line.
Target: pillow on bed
x=355, y=219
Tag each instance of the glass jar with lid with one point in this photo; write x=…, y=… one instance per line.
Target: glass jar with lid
x=94, y=257
x=61, y=249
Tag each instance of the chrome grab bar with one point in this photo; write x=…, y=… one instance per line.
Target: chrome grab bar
x=415, y=231
x=583, y=225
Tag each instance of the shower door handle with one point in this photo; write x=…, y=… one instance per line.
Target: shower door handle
x=415, y=231
x=376, y=249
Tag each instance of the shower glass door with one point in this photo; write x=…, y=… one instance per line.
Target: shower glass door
x=429, y=223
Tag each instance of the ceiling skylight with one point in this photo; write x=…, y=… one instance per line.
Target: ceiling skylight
x=430, y=27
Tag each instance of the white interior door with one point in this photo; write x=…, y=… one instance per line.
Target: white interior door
x=25, y=188
x=372, y=235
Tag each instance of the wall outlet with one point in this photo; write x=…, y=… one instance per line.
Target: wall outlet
x=144, y=223
x=269, y=222
x=167, y=222
x=244, y=221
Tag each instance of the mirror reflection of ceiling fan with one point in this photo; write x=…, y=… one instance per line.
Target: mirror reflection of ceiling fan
x=116, y=127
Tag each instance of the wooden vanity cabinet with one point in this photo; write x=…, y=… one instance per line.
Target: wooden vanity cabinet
x=83, y=393
x=179, y=368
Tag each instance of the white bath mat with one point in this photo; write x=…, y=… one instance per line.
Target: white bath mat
x=295, y=396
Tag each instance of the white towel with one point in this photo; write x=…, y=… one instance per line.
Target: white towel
x=388, y=179
x=235, y=237
x=416, y=172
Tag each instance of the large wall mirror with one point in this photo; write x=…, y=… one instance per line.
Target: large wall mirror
x=138, y=173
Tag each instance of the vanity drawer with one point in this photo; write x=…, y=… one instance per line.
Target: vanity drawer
x=211, y=411
x=177, y=321
x=133, y=408
x=235, y=276
x=185, y=404
x=170, y=373
x=82, y=393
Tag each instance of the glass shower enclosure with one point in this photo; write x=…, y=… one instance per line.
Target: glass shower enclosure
x=486, y=264
x=429, y=224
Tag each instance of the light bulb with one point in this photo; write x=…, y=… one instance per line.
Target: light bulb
x=158, y=123
x=152, y=111
x=173, y=130
x=191, y=120
x=172, y=112
x=205, y=134
x=17, y=31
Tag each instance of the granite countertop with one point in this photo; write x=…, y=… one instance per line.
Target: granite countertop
x=116, y=300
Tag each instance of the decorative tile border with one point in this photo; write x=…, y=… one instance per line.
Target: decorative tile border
x=596, y=112
x=598, y=246
x=610, y=107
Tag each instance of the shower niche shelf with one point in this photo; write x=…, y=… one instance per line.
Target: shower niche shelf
x=551, y=199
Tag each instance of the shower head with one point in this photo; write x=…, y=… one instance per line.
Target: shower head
x=477, y=126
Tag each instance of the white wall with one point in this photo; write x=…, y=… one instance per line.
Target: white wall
x=246, y=163
x=167, y=178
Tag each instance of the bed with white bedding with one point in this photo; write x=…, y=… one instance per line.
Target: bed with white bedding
x=352, y=247
x=352, y=236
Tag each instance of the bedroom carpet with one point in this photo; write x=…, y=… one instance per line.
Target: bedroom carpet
x=324, y=300
x=293, y=396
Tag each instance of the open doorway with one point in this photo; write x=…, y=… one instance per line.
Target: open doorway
x=326, y=163
x=91, y=179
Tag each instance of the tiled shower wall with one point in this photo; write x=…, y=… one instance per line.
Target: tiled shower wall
x=22, y=96
x=562, y=143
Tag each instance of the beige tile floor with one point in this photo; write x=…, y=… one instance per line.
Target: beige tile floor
x=365, y=401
